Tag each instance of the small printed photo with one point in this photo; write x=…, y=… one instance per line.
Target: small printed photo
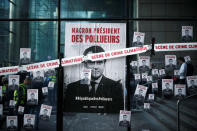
x=138, y=39
x=12, y=104
x=45, y=112
x=13, y=82
x=21, y=110
x=45, y=91
x=11, y=123
x=25, y=56
x=170, y=61
x=137, y=76
x=187, y=58
x=167, y=86
x=140, y=92
x=38, y=76
x=187, y=33
x=151, y=96
x=32, y=96
x=146, y=106
x=124, y=118
x=51, y=84
x=180, y=90
x=29, y=121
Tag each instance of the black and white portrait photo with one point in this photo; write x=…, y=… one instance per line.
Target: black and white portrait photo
x=13, y=82
x=138, y=39
x=187, y=33
x=11, y=123
x=25, y=56
x=124, y=118
x=32, y=96
x=45, y=112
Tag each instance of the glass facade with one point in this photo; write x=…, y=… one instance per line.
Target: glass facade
x=35, y=24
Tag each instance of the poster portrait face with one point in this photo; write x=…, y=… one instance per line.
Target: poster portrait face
x=141, y=90
x=155, y=72
x=13, y=80
x=144, y=61
x=144, y=76
x=167, y=84
x=32, y=96
x=90, y=43
x=138, y=39
x=38, y=74
x=151, y=96
x=187, y=58
x=20, y=109
x=25, y=53
x=124, y=115
x=191, y=81
x=176, y=72
x=45, y=110
x=170, y=60
x=11, y=121
x=146, y=105
x=180, y=89
x=29, y=119
x=187, y=31
x=161, y=72
x=149, y=78
x=137, y=76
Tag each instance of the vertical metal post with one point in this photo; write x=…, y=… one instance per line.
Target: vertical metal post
x=59, y=125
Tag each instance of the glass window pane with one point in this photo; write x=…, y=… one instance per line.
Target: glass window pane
x=28, y=9
x=41, y=38
x=93, y=8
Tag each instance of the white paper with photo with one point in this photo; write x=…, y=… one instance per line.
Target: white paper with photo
x=32, y=96
x=13, y=82
x=187, y=58
x=141, y=90
x=162, y=72
x=124, y=118
x=149, y=78
x=11, y=123
x=1, y=109
x=151, y=96
x=170, y=60
x=137, y=76
x=85, y=76
x=45, y=90
x=191, y=81
x=25, y=56
x=12, y=103
x=176, y=72
x=146, y=105
x=29, y=121
x=138, y=39
x=45, y=112
x=144, y=76
x=187, y=33
x=21, y=109
x=180, y=89
x=38, y=76
x=155, y=85
x=113, y=68
x=167, y=83
x=51, y=84
x=144, y=61
x=155, y=72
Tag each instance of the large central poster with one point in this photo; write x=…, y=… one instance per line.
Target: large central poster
x=94, y=86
